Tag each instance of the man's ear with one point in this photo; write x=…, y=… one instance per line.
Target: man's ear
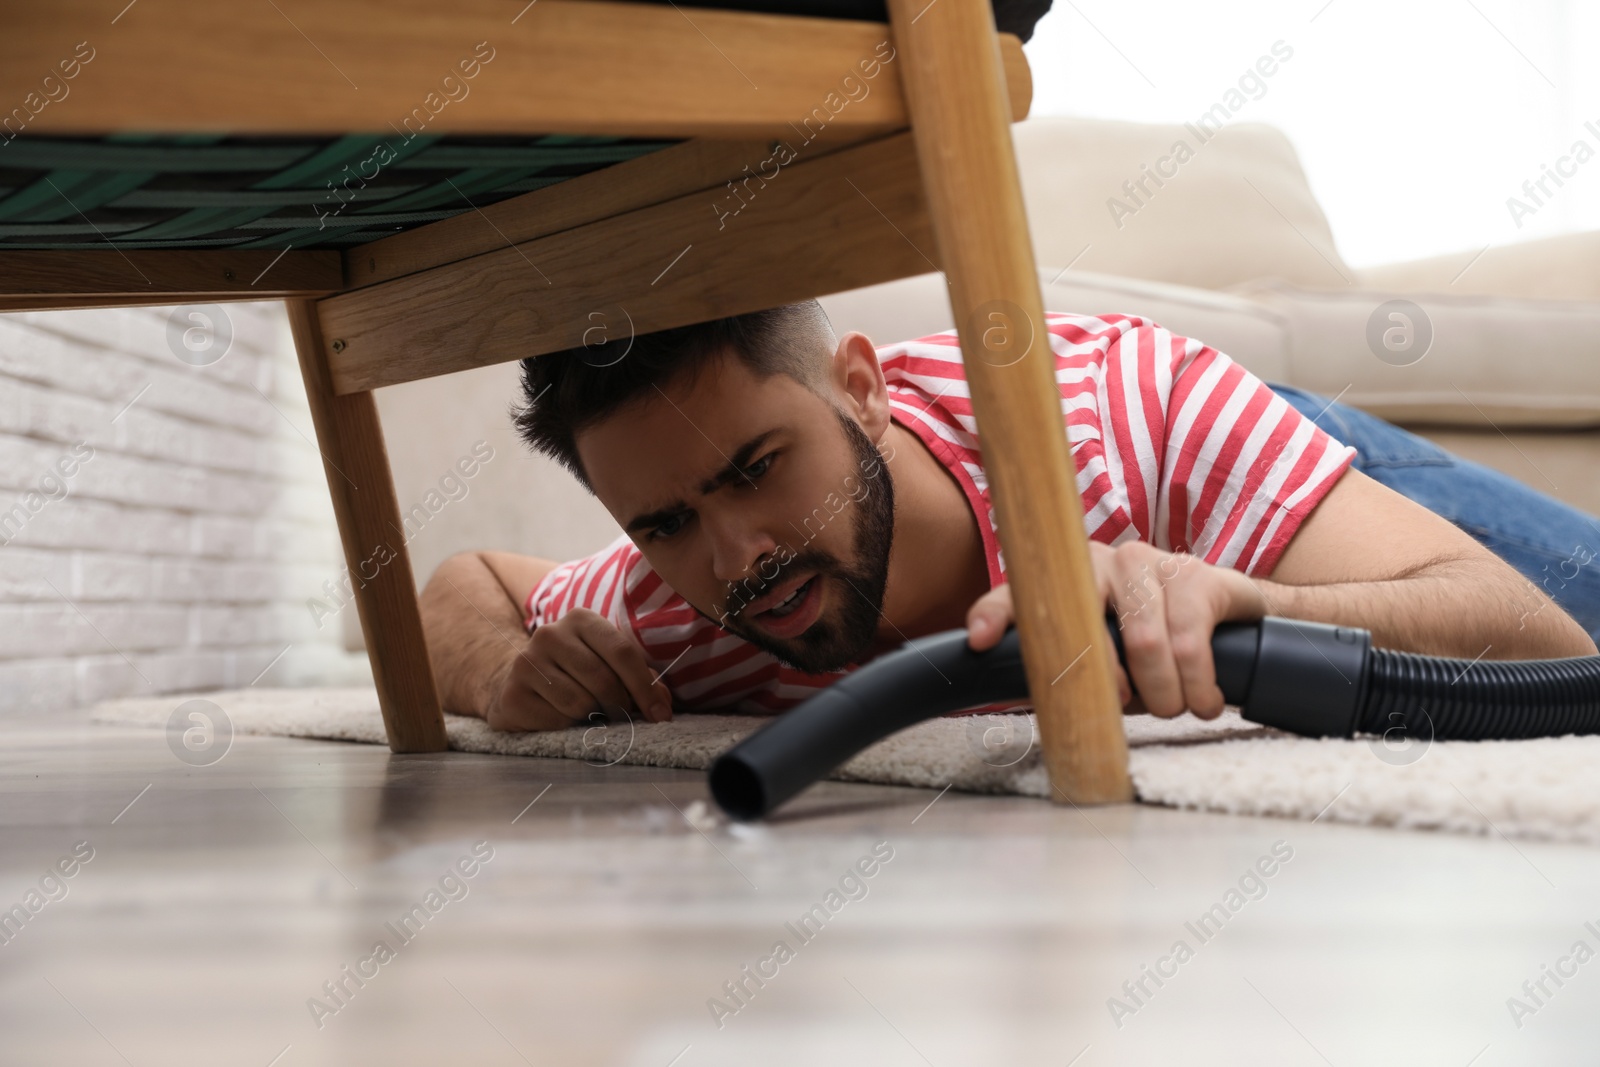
x=859, y=376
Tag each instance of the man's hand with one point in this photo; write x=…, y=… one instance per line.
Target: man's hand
x=485, y=664
x=1168, y=605
x=567, y=670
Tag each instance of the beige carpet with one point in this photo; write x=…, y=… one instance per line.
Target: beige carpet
x=1542, y=789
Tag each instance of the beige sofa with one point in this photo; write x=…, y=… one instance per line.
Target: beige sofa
x=1234, y=250
x=1230, y=247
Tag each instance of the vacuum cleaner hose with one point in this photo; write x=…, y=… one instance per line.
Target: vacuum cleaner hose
x=1308, y=678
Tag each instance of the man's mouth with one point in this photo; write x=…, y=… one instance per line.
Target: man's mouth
x=795, y=612
x=792, y=600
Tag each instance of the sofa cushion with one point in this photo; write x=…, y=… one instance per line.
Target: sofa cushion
x=1490, y=362
x=1238, y=208
x=1252, y=335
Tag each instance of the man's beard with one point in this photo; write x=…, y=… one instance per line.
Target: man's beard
x=832, y=643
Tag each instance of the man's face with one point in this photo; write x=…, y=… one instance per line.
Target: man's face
x=737, y=489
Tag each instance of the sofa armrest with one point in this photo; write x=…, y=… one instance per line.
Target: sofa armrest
x=1553, y=268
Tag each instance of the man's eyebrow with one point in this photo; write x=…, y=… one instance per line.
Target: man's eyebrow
x=734, y=469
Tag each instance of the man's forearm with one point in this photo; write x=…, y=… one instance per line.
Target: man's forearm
x=473, y=630
x=1465, y=607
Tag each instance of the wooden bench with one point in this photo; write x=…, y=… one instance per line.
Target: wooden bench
x=858, y=152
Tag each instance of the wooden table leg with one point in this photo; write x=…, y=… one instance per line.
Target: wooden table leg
x=357, y=465
x=949, y=63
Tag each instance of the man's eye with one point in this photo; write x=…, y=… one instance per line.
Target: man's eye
x=761, y=466
x=666, y=529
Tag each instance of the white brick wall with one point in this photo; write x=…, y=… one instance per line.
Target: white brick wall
x=182, y=553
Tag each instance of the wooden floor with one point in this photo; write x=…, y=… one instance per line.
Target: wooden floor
x=220, y=899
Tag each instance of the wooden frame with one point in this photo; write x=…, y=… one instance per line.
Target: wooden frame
x=918, y=174
x=534, y=297
x=564, y=66
x=952, y=75
x=41, y=281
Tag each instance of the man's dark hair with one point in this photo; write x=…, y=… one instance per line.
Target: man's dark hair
x=567, y=391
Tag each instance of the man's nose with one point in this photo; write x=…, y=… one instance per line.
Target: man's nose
x=737, y=550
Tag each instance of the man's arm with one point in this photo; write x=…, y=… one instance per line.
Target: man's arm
x=1364, y=556
x=1367, y=556
x=472, y=619
x=486, y=665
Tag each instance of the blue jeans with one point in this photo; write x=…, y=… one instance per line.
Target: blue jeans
x=1557, y=547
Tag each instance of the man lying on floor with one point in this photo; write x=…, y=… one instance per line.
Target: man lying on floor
x=795, y=504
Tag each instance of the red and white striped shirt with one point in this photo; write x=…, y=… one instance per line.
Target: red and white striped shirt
x=1174, y=443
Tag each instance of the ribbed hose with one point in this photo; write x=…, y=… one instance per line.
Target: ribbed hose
x=1459, y=699
x=1309, y=678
